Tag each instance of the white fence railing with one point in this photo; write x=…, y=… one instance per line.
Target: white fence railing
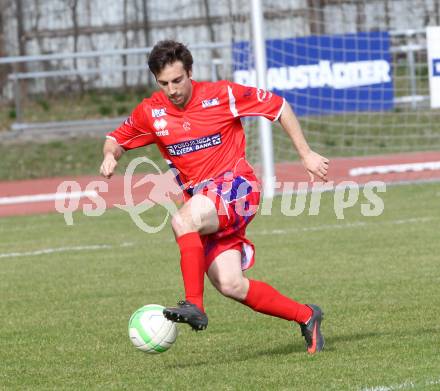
x=212, y=59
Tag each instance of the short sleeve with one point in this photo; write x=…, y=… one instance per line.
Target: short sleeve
x=245, y=101
x=134, y=132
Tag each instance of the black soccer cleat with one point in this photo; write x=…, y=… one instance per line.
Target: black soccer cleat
x=187, y=312
x=311, y=330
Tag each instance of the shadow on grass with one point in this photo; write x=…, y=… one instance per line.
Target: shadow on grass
x=331, y=344
x=248, y=353
x=297, y=347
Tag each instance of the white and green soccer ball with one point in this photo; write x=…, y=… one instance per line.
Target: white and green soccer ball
x=150, y=331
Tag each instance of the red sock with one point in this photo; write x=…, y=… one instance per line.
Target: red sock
x=192, y=264
x=261, y=297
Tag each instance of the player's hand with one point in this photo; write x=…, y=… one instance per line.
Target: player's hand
x=315, y=164
x=108, y=166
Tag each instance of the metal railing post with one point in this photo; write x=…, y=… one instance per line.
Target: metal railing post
x=412, y=77
x=17, y=96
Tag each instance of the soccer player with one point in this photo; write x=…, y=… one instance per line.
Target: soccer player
x=197, y=128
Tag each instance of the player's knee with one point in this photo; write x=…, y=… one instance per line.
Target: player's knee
x=181, y=224
x=232, y=288
x=189, y=217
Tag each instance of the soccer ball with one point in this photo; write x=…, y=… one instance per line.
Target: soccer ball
x=150, y=331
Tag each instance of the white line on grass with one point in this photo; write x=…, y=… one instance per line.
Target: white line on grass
x=403, y=386
x=47, y=197
x=414, y=220
x=63, y=249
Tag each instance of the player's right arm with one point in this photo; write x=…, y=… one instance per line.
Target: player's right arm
x=112, y=152
x=133, y=133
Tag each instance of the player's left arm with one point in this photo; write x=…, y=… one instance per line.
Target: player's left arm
x=314, y=163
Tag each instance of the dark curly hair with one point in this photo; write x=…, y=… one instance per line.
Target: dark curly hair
x=168, y=52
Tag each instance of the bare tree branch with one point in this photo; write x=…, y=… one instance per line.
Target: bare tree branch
x=73, y=5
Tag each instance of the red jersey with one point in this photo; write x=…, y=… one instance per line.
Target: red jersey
x=204, y=139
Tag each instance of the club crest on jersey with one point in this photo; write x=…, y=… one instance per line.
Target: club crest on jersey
x=186, y=126
x=156, y=113
x=210, y=102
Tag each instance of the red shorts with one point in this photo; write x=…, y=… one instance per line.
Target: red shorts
x=236, y=199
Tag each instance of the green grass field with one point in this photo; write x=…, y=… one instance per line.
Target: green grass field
x=64, y=314
x=63, y=158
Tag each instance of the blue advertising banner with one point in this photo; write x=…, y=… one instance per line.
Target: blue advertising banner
x=325, y=74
